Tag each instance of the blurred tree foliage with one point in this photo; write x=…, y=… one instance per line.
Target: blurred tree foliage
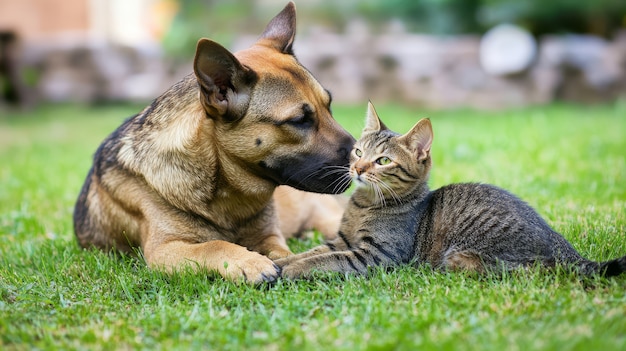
x=600, y=17
x=213, y=19
x=217, y=19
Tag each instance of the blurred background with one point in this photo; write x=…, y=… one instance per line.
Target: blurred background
x=486, y=54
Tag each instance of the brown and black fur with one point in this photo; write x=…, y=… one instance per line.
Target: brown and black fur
x=189, y=179
x=393, y=218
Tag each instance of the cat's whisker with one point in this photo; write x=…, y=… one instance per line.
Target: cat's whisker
x=340, y=183
x=379, y=191
x=394, y=195
x=330, y=170
x=380, y=186
x=336, y=167
x=296, y=174
x=315, y=173
x=342, y=172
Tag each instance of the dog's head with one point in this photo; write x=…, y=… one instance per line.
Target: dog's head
x=270, y=113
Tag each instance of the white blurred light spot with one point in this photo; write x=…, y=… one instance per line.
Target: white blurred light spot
x=507, y=49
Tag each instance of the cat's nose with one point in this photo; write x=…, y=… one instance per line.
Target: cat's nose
x=359, y=169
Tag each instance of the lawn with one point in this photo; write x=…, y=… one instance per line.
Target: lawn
x=569, y=162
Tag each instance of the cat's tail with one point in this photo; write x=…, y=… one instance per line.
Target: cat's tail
x=606, y=269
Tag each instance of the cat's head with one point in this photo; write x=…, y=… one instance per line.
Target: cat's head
x=389, y=165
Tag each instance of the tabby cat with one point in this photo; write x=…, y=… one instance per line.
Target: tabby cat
x=393, y=218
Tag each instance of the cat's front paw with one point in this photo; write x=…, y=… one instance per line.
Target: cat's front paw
x=281, y=262
x=291, y=271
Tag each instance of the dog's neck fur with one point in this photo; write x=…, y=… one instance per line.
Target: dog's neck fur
x=212, y=177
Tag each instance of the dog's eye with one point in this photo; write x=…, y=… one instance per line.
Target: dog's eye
x=301, y=121
x=304, y=120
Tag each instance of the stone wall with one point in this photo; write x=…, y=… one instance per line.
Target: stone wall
x=445, y=72
x=98, y=72
x=425, y=70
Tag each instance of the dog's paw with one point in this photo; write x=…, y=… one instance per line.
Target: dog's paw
x=256, y=269
x=279, y=253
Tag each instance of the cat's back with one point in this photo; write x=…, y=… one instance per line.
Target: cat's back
x=473, y=195
x=482, y=218
x=470, y=218
x=477, y=200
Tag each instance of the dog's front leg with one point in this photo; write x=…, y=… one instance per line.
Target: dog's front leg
x=273, y=246
x=232, y=261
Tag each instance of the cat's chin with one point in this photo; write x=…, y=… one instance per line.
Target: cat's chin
x=364, y=187
x=360, y=183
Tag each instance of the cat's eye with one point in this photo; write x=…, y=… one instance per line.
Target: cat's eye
x=358, y=152
x=383, y=161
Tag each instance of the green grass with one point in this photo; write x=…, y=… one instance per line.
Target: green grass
x=569, y=162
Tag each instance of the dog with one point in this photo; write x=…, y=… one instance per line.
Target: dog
x=189, y=180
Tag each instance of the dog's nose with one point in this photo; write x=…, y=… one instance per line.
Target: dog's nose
x=349, y=141
x=346, y=147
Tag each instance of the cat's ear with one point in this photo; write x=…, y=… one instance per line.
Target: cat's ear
x=419, y=138
x=372, y=122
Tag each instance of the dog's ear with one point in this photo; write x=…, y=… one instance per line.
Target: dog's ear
x=281, y=30
x=225, y=84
